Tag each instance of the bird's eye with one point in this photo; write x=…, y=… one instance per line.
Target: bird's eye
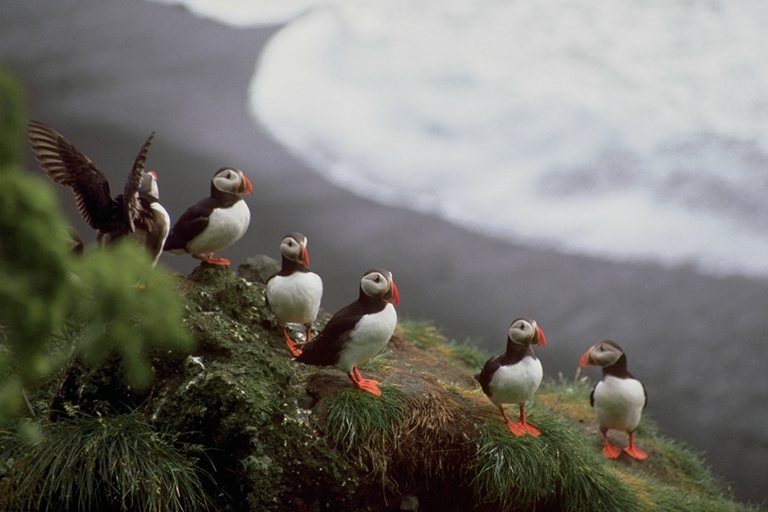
x=377, y=279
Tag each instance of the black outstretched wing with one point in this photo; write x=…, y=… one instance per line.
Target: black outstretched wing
x=325, y=348
x=69, y=167
x=132, y=208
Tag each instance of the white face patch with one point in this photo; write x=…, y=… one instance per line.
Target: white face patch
x=290, y=248
x=605, y=354
x=374, y=284
x=521, y=331
x=227, y=180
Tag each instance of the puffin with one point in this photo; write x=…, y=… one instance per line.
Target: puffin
x=136, y=213
x=216, y=222
x=618, y=398
x=358, y=331
x=293, y=294
x=515, y=375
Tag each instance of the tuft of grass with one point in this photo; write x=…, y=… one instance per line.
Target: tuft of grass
x=557, y=471
x=366, y=427
x=97, y=463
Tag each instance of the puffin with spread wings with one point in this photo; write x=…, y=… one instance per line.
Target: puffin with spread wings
x=136, y=213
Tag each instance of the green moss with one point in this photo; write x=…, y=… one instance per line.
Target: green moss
x=243, y=400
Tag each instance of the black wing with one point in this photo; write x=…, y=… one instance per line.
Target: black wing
x=645, y=394
x=325, y=348
x=132, y=208
x=69, y=167
x=190, y=224
x=592, y=396
x=486, y=374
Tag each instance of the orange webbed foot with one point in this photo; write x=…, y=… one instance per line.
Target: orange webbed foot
x=633, y=451
x=636, y=453
x=530, y=429
x=208, y=258
x=611, y=451
x=367, y=385
x=516, y=429
x=292, y=348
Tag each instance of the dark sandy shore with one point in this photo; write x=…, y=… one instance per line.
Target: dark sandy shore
x=107, y=72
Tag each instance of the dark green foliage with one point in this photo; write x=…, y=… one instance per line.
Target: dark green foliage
x=129, y=308
x=117, y=463
x=108, y=301
x=34, y=280
x=35, y=284
x=557, y=471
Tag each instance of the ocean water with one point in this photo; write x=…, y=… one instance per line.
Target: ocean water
x=627, y=130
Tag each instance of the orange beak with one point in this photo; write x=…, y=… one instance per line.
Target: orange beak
x=394, y=293
x=584, y=359
x=245, y=186
x=304, y=255
x=542, y=340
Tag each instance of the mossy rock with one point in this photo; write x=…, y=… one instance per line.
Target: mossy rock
x=278, y=435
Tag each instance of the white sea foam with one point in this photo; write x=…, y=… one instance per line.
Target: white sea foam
x=632, y=130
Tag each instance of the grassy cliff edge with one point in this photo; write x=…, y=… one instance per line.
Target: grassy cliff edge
x=271, y=434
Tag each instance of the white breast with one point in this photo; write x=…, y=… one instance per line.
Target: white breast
x=165, y=223
x=368, y=338
x=295, y=298
x=516, y=383
x=225, y=227
x=619, y=403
